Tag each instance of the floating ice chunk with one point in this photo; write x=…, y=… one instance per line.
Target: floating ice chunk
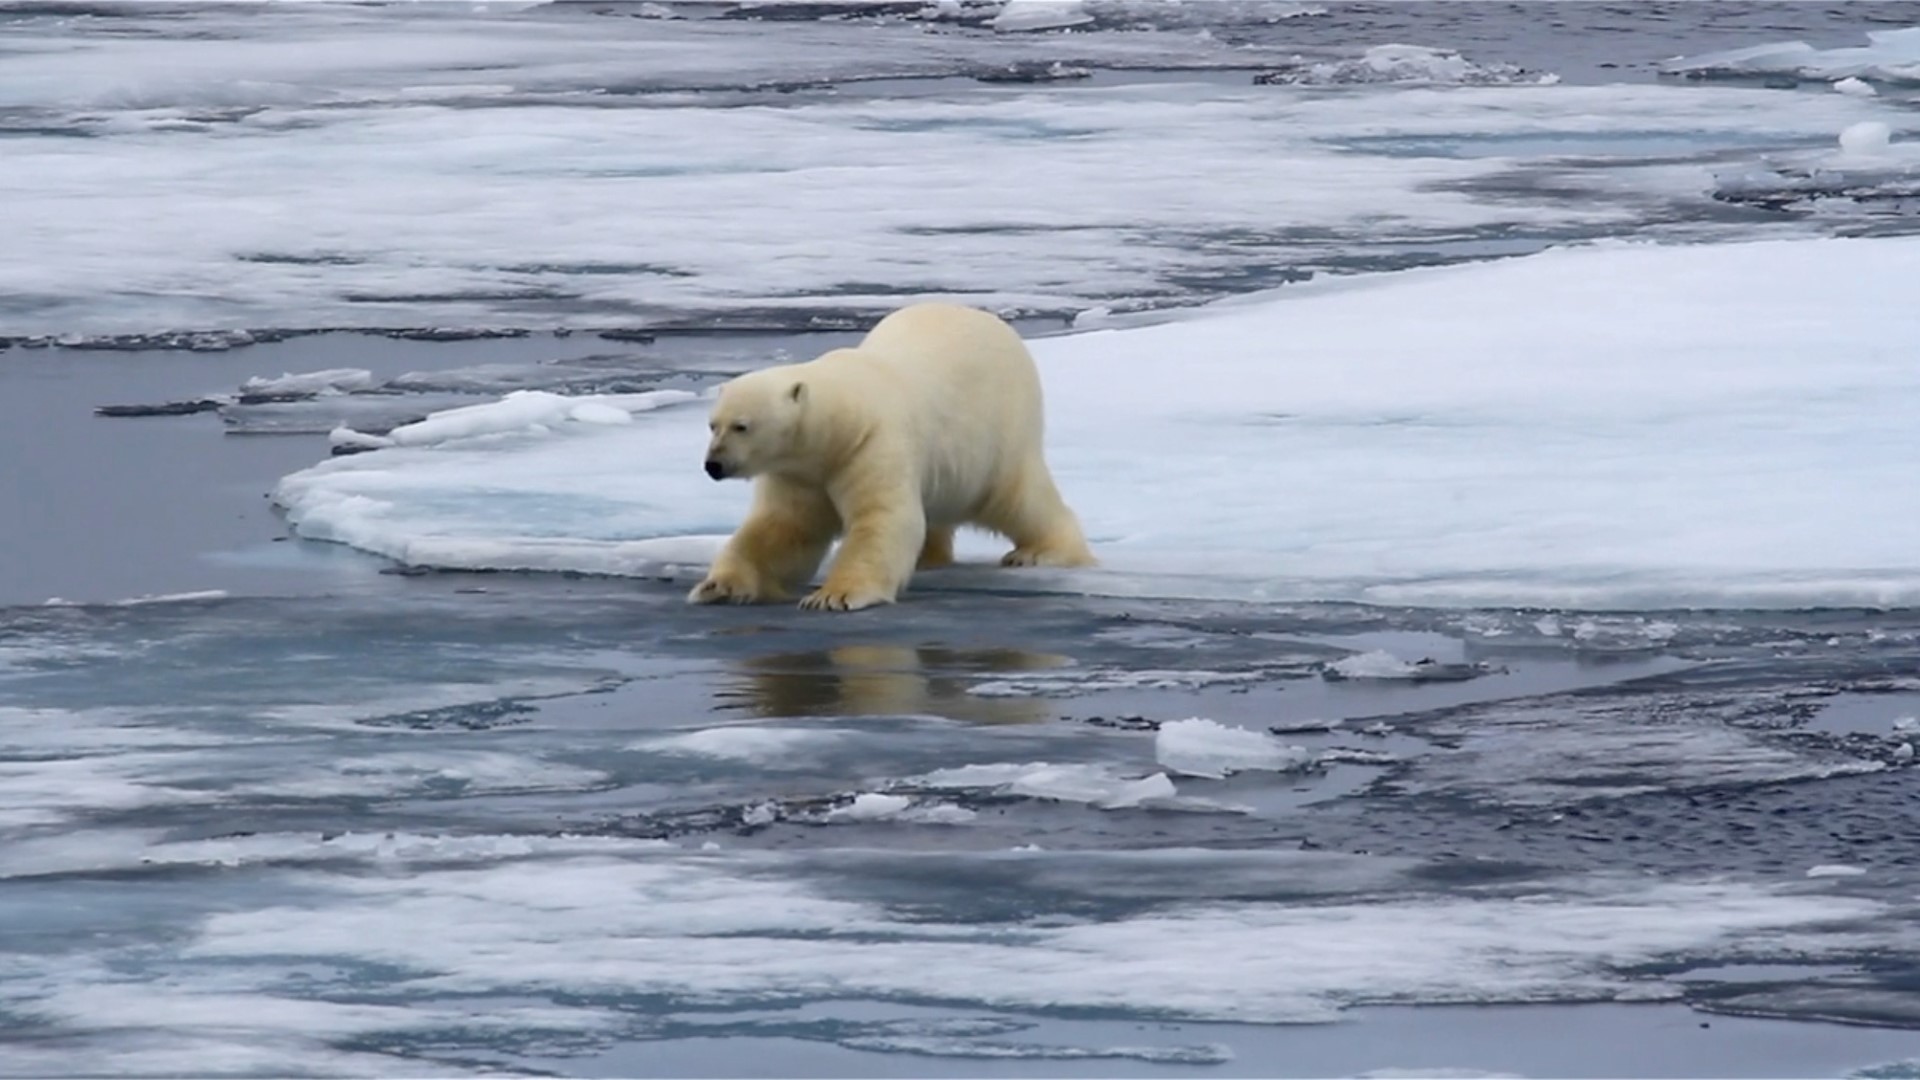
x=194, y=597
x=1866, y=137
x=599, y=412
x=150, y=598
x=1906, y=723
x=1376, y=664
x=1404, y=64
x=1084, y=681
x=761, y=745
x=1381, y=663
x=1092, y=318
x=870, y=806
x=1855, y=87
x=329, y=381
x=1889, y=55
x=1025, y=16
x=938, y=814
x=1780, y=56
x=879, y=806
x=399, y=774
x=1072, y=783
x=1095, y=785
x=1868, y=170
x=1442, y=1073
x=1305, y=724
x=1870, y=181
x=1826, y=870
x=1202, y=747
x=1903, y=753
x=519, y=411
x=958, y=1047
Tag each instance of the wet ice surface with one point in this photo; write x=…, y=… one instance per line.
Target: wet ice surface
x=545, y=824
x=531, y=166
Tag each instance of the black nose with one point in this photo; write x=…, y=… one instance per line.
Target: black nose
x=716, y=470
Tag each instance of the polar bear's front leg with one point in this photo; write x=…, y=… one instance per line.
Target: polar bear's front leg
x=885, y=533
x=776, y=549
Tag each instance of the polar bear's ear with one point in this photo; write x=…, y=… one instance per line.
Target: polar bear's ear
x=799, y=391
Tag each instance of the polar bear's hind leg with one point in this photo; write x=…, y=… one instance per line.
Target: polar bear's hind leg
x=1044, y=530
x=938, y=550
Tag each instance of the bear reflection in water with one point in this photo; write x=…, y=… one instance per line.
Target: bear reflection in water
x=887, y=680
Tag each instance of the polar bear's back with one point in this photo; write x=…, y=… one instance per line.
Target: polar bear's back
x=973, y=394
x=953, y=354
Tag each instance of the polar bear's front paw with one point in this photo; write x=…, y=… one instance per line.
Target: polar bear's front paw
x=828, y=598
x=726, y=590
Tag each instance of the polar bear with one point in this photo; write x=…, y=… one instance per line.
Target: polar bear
x=932, y=422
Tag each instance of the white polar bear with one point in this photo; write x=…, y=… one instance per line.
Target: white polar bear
x=933, y=421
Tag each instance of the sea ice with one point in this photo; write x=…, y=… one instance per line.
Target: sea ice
x=1202, y=747
x=329, y=381
x=720, y=929
x=1866, y=137
x=1096, y=785
x=475, y=166
x=1376, y=664
x=1408, y=64
x=1889, y=56
x=762, y=746
x=1609, y=426
x=870, y=806
x=521, y=411
x=1021, y=16
x=196, y=596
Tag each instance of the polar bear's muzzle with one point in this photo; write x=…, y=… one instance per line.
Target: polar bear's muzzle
x=716, y=469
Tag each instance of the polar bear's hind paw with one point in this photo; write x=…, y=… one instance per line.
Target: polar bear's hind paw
x=1024, y=556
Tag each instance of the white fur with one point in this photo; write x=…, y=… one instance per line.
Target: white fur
x=933, y=421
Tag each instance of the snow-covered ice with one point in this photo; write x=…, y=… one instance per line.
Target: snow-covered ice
x=1661, y=426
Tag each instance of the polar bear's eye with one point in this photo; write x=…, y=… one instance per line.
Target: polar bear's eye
x=740, y=426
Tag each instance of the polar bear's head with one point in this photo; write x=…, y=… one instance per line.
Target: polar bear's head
x=755, y=423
